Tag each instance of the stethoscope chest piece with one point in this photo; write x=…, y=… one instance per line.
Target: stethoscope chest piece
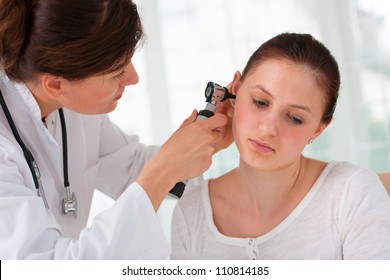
x=69, y=204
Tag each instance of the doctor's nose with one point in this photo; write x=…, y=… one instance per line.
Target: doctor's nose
x=131, y=76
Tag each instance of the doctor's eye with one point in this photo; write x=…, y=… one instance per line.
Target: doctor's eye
x=120, y=75
x=259, y=103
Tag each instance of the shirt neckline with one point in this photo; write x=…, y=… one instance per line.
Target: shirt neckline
x=241, y=241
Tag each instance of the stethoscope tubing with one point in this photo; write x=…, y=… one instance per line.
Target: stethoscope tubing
x=36, y=174
x=27, y=154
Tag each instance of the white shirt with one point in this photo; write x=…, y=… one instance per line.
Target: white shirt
x=100, y=156
x=345, y=215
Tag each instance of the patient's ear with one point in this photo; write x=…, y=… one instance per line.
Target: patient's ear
x=235, y=85
x=321, y=127
x=236, y=82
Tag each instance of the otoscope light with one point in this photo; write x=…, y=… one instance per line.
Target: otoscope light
x=216, y=93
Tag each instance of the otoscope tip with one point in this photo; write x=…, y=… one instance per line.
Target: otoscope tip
x=231, y=96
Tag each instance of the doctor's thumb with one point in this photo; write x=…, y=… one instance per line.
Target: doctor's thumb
x=190, y=119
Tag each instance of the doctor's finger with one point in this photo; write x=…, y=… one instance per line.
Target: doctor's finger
x=217, y=121
x=223, y=107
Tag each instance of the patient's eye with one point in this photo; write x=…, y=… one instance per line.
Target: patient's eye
x=259, y=103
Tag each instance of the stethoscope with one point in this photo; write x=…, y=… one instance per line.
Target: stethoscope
x=69, y=203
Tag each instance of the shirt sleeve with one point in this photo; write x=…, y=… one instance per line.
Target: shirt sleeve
x=128, y=230
x=180, y=238
x=121, y=158
x=365, y=218
x=185, y=219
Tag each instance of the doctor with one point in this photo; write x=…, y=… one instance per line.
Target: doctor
x=65, y=64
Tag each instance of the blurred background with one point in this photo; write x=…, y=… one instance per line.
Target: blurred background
x=191, y=42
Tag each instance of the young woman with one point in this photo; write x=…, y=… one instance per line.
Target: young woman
x=64, y=65
x=279, y=204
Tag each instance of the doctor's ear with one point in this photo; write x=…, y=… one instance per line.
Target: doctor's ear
x=52, y=85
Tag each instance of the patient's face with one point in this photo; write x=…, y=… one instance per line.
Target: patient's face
x=278, y=109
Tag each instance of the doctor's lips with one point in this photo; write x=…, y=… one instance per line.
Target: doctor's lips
x=261, y=147
x=119, y=96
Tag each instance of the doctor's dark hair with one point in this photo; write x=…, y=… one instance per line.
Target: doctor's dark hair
x=303, y=49
x=74, y=39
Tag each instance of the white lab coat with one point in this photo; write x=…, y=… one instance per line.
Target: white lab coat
x=99, y=156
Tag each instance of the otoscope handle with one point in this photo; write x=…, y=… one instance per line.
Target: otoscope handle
x=204, y=114
x=178, y=190
x=214, y=93
x=207, y=112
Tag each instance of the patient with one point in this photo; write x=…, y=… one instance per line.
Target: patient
x=279, y=204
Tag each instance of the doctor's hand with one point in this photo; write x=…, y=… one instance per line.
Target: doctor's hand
x=225, y=108
x=186, y=154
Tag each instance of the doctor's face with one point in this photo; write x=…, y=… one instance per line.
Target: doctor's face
x=278, y=109
x=98, y=94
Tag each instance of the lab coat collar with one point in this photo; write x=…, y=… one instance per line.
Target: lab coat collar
x=24, y=92
x=19, y=92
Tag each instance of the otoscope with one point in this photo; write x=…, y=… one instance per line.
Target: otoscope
x=214, y=93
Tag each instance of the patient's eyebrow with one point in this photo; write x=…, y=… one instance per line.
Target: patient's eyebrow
x=297, y=106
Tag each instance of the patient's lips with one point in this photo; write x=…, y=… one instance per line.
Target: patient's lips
x=261, y=147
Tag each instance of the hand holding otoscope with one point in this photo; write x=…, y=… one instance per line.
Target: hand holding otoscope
x=214, y=93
